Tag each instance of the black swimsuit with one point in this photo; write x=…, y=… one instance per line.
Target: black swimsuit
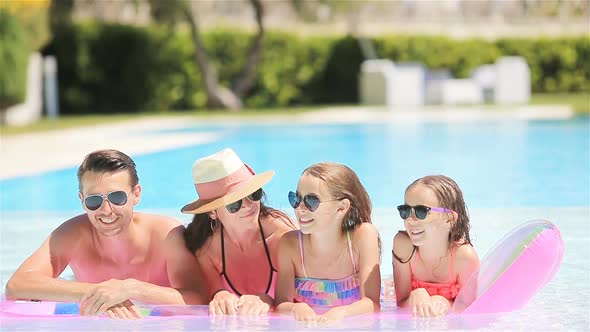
x=224, y=274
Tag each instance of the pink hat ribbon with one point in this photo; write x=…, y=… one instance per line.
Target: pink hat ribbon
x=218, y=188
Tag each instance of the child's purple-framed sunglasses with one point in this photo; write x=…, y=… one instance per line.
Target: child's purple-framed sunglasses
x=420, y=211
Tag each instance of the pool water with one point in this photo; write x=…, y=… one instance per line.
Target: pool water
x=498, y=164
x=510, y=172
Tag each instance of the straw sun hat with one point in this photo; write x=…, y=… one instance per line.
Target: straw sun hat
x=221, y=179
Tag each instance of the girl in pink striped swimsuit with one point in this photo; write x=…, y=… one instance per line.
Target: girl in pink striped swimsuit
x=333, y=260
x=433, y=258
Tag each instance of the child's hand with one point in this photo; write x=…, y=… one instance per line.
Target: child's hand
x=332, y=315
x=302, y=311
x=420, y=302
x=440, y=306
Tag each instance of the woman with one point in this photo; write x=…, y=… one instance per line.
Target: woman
x=233, y=235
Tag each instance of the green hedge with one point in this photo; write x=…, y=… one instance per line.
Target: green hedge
x=112, y=68
x=14, y=52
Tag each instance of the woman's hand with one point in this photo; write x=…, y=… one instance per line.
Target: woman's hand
x=223, y=303
x=302, y=311
x=252, y=305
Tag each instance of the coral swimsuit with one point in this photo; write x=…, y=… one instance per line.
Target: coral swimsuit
x=447, y=290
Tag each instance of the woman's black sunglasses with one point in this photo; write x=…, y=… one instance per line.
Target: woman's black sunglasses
x=236, y=206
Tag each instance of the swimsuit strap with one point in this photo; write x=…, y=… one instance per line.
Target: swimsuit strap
x=413, y=262
x=272, y=269
x=452, y=262
x=301, y=253
x=266, y=246
x=350, y=252
x=222, y=252
x=401, y=260
x=223, y=266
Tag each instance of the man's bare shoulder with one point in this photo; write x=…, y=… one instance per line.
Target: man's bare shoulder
x=72, y=235
x=74, y=227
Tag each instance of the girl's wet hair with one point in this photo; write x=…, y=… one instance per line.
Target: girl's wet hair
x=449, y=196
x=202, y=226
x=342, y=182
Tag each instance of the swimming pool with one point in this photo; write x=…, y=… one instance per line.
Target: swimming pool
x=510, y=172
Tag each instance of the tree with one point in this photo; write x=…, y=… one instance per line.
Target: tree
x=23, y=28
x=351, y=11
x=173, y=12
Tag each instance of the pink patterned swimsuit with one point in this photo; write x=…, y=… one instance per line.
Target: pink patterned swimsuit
x=327, y=292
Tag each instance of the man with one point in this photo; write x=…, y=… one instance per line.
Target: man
x=117, y=255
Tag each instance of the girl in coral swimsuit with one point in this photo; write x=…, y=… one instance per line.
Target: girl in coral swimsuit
x=434, y=257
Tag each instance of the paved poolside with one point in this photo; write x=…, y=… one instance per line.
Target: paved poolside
x=30, y=154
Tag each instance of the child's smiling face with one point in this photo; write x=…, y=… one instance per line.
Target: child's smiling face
x=435, y=226
x=325, y=214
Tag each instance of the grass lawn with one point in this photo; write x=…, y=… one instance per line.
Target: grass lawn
x=580, y=103
x=73, y=121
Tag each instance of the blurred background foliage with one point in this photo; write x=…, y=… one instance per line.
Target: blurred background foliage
x=23, y=28
x=14, y=52
x=104, y=67
x=109, y=64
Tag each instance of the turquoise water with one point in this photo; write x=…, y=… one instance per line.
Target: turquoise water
x=507, y=164
x=510, y=172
